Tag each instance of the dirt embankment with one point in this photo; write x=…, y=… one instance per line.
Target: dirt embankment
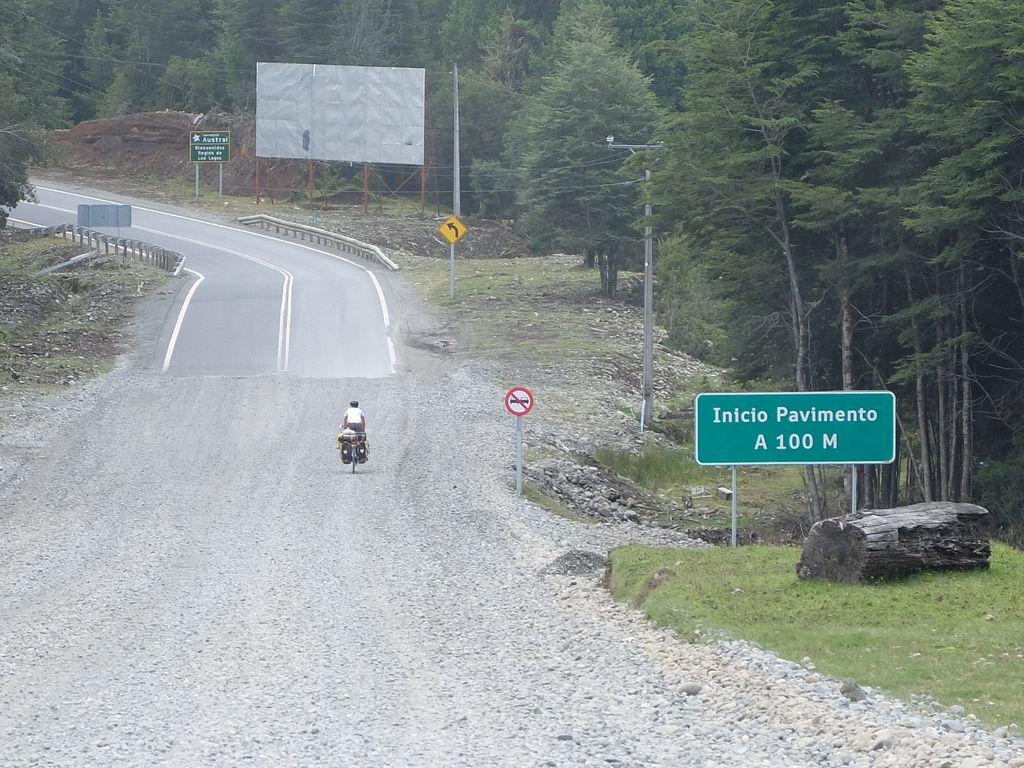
x=156, y=145
x=60, y=327
x=140, y=148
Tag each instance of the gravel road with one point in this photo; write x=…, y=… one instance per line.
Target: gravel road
x=188, y=577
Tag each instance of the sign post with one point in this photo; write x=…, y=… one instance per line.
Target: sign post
x=732, y=498
x=452, y=230
x=842, y=427
x=519, y=402
x=209, y=147
x=847, y=427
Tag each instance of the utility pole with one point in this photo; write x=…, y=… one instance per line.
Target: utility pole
x=456, y=191
x=647, y=406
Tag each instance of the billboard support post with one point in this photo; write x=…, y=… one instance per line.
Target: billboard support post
x=366, y=187
x=310, y=184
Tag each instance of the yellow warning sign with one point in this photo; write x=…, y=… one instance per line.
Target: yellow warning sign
x=452, y=229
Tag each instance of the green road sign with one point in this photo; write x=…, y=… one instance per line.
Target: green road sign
x=209, y=146
x=850, y=427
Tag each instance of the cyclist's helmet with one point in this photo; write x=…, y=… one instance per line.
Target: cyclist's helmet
x=354, y=404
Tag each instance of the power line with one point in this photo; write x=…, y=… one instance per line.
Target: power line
x=60, y=79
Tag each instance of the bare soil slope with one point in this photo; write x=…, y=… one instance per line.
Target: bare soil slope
x=139, y=149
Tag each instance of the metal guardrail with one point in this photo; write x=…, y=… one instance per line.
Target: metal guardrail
x=347, y=245
x=136, y=250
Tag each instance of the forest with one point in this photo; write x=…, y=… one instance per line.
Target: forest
x=837, y=186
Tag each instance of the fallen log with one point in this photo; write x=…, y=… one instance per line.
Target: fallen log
x=883, y=543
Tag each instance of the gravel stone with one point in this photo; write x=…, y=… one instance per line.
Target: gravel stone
x=188, y=578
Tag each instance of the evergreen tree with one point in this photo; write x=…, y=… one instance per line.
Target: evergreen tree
x=727, y=173
x=142, y=36
x=63, y=22
x=365, y=34
x=508, y=50
x=650, y=31
x=30, y=101
x=970, y=83
x=574, y=196
x=304, y=28
x=247, y=34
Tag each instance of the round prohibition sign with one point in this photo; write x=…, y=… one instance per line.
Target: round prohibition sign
x=518, y=401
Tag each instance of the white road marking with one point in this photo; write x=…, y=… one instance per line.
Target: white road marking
x=285, y=318
x=181, y=318
x=284, y=325
x=284, y=334
x=380, y=294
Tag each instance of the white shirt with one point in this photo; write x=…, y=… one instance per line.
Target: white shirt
x=353, y=416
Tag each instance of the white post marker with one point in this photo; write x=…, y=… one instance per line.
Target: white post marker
x=519, y=402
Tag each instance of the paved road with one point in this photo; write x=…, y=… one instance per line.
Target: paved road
x=257, y=303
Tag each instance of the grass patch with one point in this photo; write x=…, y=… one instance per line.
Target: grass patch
x=925, y=634
x=659, y=468
x=673, y=472
x=543, y=309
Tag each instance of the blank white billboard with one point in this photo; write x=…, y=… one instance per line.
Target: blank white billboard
x=328, y=112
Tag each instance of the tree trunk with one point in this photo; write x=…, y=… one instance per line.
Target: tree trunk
x=966, y=430
x=884, y=543
x=922, y=412
x=868, y=495
x=952, y=487
x=942, y=425
x=846, y=342
x=608, y=262
x=889, y=481
x=966, y=407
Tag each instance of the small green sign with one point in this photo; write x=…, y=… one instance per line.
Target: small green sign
x=209, y=146
x=849, y=427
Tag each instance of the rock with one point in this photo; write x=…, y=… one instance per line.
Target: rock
x=691, y=689
x=873, y=742
x=576, y=562
x=851, y=690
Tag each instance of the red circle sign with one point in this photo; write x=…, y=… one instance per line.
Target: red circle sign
x=518, y=401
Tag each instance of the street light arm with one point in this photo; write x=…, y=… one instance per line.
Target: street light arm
x=633, y=148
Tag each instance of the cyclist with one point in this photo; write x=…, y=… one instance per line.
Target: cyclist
x=354, y=418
